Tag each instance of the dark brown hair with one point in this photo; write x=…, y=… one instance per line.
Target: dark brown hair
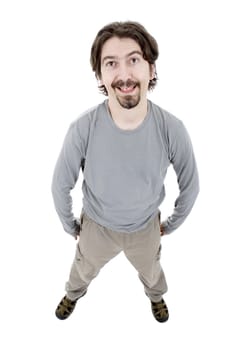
x=129, y=29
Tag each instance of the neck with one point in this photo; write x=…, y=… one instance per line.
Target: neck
x=128, y=118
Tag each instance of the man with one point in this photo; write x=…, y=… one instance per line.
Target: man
x=124, y=146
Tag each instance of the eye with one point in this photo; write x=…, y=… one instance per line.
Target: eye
x=134, y=60
x=111, y=64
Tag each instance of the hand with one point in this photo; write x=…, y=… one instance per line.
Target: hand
x=161, y=230
x=77, y=230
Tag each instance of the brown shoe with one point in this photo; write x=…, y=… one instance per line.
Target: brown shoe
x=66, y=307
x=160, y=311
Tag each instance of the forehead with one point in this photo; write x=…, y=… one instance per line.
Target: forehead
x=119, y=47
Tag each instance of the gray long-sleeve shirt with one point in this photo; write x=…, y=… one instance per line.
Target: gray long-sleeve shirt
x=123, y=179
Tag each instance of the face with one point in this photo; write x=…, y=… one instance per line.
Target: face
x=124, y=72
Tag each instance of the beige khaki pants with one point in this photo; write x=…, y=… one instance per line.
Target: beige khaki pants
x=97, y=245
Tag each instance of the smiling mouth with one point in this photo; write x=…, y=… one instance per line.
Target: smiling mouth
x=126, y=89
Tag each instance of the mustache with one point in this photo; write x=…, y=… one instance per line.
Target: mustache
x=128, y=83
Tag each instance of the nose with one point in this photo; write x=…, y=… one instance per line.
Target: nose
x=123, y=72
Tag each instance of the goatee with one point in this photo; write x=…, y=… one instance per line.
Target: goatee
x=128, y=102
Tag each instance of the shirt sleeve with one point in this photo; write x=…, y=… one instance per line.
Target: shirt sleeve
x=65, y=176
x=182, y=158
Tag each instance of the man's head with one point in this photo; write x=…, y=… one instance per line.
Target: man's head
x=123, y=58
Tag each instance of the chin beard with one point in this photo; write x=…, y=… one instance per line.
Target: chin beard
x=128, y=102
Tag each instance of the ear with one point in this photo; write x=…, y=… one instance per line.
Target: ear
x=100, y=81
x=152, y=71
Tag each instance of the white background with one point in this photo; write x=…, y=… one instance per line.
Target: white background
x=45, y=83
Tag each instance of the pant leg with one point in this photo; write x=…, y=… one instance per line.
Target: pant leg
x=95, y=248
x=143, y=250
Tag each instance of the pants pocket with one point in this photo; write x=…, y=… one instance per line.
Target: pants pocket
x=158, y=253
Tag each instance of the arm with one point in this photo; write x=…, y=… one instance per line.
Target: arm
x=183, y=160
x=65, y=177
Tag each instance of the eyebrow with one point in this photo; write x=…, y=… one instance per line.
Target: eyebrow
x=128, y=55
